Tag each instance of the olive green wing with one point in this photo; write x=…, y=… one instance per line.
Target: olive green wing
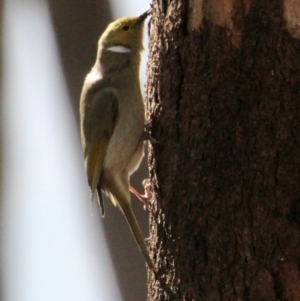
x=100, y=114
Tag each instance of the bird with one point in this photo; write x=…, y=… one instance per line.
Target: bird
x=112, y=118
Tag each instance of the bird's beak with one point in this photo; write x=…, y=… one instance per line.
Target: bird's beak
x=143, y=16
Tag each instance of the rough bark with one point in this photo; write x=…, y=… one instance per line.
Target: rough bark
x=223, y=100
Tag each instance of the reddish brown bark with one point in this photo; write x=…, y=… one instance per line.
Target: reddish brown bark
x=224, y=103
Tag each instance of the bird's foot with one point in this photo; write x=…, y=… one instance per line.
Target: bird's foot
x=146, y=197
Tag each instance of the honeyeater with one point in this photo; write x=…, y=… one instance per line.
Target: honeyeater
x=112, y=118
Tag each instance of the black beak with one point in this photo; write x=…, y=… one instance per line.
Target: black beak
x=143, y=16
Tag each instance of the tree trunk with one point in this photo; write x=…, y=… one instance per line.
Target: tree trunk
x=223, y=100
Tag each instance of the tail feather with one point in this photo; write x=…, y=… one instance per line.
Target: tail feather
x=97, y=198
x=118, y=191
x=112, y=198
x=135, y=229
x=100, y=202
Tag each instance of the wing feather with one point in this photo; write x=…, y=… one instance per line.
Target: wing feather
x=99, y=112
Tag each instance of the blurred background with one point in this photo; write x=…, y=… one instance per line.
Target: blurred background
x=52, y=248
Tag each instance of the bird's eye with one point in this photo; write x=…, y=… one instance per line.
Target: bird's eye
x=125, y=28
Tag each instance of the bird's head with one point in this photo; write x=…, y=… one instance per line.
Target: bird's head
x=124, y=35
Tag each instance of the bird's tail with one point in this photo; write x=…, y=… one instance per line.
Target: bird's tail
x=135, y=229
x=125, y=206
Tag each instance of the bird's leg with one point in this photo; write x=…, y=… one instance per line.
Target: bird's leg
x=145, y=198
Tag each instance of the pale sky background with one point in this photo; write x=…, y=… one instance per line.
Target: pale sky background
x=52, y=248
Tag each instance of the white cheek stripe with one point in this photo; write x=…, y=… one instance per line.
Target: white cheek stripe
x=119, y=49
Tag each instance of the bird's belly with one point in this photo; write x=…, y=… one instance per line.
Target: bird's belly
x=136, y=159
x=125, y=150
